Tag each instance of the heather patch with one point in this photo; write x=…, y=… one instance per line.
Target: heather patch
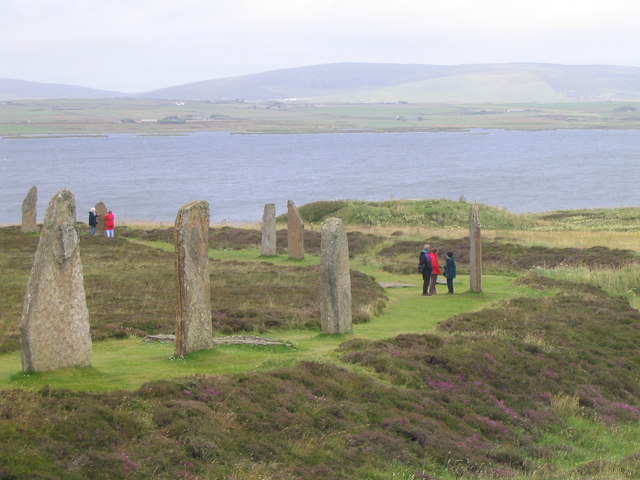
x=265, y=296
x=234, y=238
x=501, y=257
x=312, y=421
x=580, y=344
x=529, y=388
x=130, y=290
x=478, y=400
x=513, y=371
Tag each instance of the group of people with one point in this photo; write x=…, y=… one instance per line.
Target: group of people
x=109, y=223
x=429, y=267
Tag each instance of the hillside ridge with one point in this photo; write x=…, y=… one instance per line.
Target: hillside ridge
x=385, y=82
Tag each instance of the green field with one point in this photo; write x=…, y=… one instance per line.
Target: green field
x=37, y=117
x=535, y=378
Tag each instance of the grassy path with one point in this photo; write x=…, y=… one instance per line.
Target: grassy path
x=127, y=364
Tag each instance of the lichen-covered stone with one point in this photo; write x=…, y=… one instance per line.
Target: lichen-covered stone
x=295, y=231
x=54, y=326
x=335, y=279
x=268, y=246
x=30, y=210
x=101, y=211
x=193, y=311
x=475, y=252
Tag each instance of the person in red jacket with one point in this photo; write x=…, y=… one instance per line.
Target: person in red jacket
x=109, y=224
x=435, y=270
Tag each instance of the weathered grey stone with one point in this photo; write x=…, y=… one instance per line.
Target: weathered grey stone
x=54, y=326
x=475, y=254
x=30, y=210
x=101, y=211
x=159, y=338
x=295, y=231
x=193, y=313
x=396, y=285
x=335, y=279
x=248, y=340
x=268, y=247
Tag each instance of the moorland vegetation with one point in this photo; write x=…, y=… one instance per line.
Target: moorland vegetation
x=534, y=378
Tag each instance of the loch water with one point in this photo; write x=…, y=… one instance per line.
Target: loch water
x=150, y=177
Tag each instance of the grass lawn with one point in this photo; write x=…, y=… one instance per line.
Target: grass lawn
x=128, y=363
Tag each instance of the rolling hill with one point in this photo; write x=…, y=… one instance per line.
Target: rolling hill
x=373, y=82
x=348, y=82
x=21, y=90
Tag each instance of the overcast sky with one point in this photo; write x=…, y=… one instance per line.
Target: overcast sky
x=140, y=45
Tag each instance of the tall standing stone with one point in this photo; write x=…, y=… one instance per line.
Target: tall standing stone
x=101, y=211
x=54, y=327
x=475, y=255
x=295, y=231
x=30, y=210
x=193, y=312
x=335, y=279
x=268, y=247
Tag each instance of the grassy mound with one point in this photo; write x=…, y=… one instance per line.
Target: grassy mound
x=477, y=399
x=434, y=213
x=451, y=214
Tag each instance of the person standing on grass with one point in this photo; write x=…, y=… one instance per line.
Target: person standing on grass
x=109, y=224
x=450, y=271
x=93, y=221
x=424, y=267
x=435, y=270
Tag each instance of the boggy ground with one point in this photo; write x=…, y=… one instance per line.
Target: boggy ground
x=478, y=398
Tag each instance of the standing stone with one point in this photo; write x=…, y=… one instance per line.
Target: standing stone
x=29, y=210
x=193, y=312
x=268, y=247
x=101, y=211
x=335, y=279
x=295, y=231
x=475, y=255
x=54, y=326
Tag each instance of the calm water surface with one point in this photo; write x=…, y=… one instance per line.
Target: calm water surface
x=150, y=177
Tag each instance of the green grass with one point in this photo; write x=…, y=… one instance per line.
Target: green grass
x=447, y=214
x=597, y=219
x=597, y=450
x=623, y=281
x=30, y=117
x=128, y=363
x=427, y=213
x=535, y=378
x=130, y=288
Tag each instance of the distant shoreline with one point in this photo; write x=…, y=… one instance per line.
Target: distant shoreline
x=29, y=118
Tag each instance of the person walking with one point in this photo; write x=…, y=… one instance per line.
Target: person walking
x=109, y=224
x=435, y=270
x=450, y=271
x=93, y=221
x=424, y=267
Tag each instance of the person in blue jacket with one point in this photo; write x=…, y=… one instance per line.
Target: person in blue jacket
x=424, y=267
x=93, y=221
x=450, y=271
